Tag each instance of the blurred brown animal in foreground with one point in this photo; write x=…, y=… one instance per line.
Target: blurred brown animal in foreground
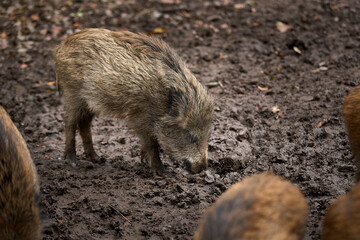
x=138, y=78
x=342, y=221
x=352, y=121
x=262, y=206
x=19, y=189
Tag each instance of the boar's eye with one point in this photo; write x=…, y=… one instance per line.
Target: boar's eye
x=193, y=138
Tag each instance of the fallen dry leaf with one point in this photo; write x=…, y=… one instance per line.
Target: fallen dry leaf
x=282, y=27
x=213, y=28
x=198, y=23
x=297, y=50
x=50, y=83
x=56, y=30
x=23, y=66
x=221, y=56
x=263, y=88
x=224, y=25
x=77, y=24
x=92, y=5
x=239, y=6
x=275, y=109
x=169, y=1
x=322, y=68
x=279, y=54
x=43, y=31
x=212, y=84
x=159, y=30
x=320, y=124
x=35, y=17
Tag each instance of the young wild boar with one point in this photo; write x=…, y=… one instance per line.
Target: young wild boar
x=342, y=221
x=19, y=189
x=140, y=79
x=262, y=207
x=352, y=121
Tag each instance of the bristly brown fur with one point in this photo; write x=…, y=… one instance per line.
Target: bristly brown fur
x=133, y=76
x=19, y=212
x=352, y=121
x=342, y=220
x=262, y=207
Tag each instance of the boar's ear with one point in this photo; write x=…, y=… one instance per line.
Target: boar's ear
x=175, y=103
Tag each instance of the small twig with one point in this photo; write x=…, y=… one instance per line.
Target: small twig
x=119, y=213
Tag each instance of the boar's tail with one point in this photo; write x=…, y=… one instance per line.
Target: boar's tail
x=58, y=87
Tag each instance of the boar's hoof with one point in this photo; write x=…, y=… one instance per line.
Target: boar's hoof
x=157, y=166
x=71, y=158
x=96, y=159
x=159, y=170
x=153, y=160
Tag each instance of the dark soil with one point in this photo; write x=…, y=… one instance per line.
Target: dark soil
x=278, y=96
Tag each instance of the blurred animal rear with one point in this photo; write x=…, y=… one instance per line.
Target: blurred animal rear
x=261, y=207
x=19, y=188
x=352, y=122
x=342, y=220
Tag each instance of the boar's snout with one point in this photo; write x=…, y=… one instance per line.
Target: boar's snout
x=194, y=166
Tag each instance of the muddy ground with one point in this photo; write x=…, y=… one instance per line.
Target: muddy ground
x=278, y=96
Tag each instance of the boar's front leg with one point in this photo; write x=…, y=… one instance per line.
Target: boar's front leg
x=150, y=154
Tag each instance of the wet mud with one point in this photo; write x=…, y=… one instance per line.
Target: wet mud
x=278, y=92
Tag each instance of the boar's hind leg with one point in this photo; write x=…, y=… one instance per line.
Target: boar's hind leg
x=150, y=153
x=85, y=133
x=70, y=131
x=75, y=110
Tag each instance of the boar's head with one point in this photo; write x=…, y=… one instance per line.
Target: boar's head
x=184, y=130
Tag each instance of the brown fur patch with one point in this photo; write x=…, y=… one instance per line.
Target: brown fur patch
x=19, y=213
x=262, y=206
x=352, y=121
x=342, y=221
